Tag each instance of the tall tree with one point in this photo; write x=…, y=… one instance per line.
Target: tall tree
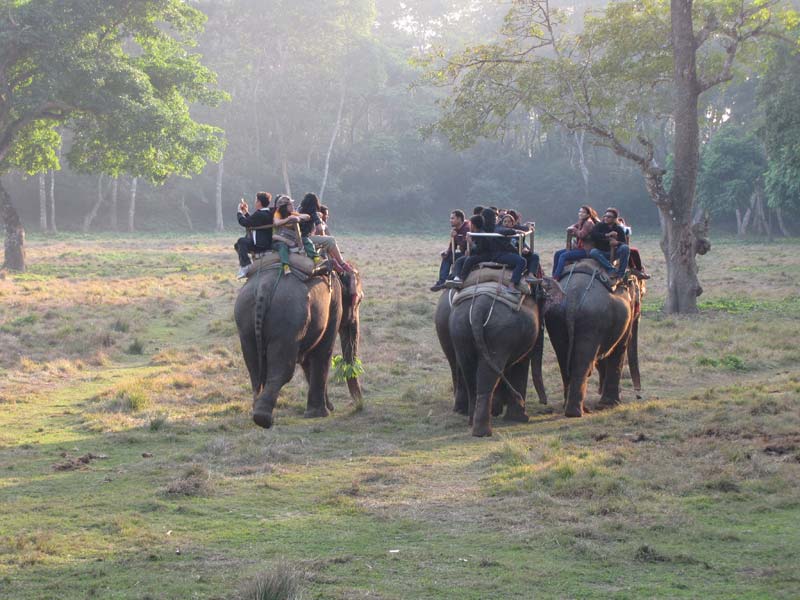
x=119, y=73
x=635, y=64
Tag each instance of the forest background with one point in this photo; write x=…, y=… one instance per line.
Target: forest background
x=328, y=99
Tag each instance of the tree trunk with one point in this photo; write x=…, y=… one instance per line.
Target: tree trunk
x=42, y=202
x=186, y=213
x=781, y=225
x=678, y=241
x=330, y=146
x=132, y=207
x=15, y=234
x=52, y=202
x=579, y=137
x=87, y=220
x=739, y=222
x=220, y=226
x=112, y=221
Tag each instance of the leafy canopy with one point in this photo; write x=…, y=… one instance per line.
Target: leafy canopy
x=119, y=73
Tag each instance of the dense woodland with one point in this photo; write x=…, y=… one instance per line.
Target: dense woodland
x=333, y=100
x=160, y=115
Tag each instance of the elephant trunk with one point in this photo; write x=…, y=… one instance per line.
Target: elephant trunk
x=633, y=355
x=349, y=337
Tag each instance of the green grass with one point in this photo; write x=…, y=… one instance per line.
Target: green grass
x=690, y=490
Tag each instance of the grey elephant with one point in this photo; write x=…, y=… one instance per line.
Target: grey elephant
x=286, y=319
x=493, y=340
x=517, y=375
x=595, y=326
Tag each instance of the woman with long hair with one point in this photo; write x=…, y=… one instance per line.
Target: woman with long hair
x=312, y=230
x=587, y=219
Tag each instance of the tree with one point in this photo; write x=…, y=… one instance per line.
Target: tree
x=119, y=73
x=780, y=96
x=731, y=175
x=635, y=65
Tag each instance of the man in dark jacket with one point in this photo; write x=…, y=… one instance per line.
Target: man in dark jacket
x=256, y=240
x=458, y=235
x=607, y=234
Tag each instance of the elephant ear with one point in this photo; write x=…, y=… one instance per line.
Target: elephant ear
x=553, y=294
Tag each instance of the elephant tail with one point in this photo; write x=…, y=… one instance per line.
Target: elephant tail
x=263, y=301
x=479, y=335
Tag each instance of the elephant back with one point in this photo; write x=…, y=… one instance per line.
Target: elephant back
x=300, y=263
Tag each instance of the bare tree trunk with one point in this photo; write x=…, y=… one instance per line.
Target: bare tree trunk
x=781, y=225
x=220, y=226
x=739, y=222
x=52, y=201
x=87, y=220
x=679, y=241
x=42, y=203
x=748, y=214
x=761, y=216
x=186, y=212
x=14, y=246
x=579, y=137
x=113, y=210
x=330, y=146
x=132, y=206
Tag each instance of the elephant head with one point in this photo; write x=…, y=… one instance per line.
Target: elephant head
x=352, y=295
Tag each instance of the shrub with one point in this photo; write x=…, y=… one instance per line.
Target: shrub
x=136, y=347
x=281, y=582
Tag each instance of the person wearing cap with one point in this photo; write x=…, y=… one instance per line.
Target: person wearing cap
x=286, y=236
x=256, y=240
x=606, y=234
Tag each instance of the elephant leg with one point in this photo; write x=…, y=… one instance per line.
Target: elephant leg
x=612, y=365
x=280, y=362
x=583, y=358
x=307, y=372
x=536, y=367
x=515, y=407
x=560, y=341
x=316, y=405
x=486, y=382
x=468, y=366
x=460, y=395
x=250, y=353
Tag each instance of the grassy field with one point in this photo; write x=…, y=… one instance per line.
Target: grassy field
x=129, y=467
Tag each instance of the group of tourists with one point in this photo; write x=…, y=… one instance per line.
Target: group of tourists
x=275, y=225
x=603, y=239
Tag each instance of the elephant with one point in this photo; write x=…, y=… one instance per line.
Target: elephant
x=595, y=326
x=489, y=346
x=284, y=320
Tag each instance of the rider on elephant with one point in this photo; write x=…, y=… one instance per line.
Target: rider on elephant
x=606, y=235
x=256, y=240
x=512, y=220
x=490, y=249
x=582, y=230
x=287, y=232
x=456, y=249
x=312, y=229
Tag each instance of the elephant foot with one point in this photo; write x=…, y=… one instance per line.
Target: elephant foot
x=516, y=414
x=262, y=419
x=329, y=405
x=497, y=409
x=573, y=411
x=606, y=403
x=461, y=410
x=316, y=413
x=481, y=430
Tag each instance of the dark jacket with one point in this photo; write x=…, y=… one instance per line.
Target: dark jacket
x=598, y=235
x=262, y=238
x=308, y=228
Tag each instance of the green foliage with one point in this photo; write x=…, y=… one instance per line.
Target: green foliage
x=120, y=75
x=342, y=370
x=732, y=166
x=780, y=98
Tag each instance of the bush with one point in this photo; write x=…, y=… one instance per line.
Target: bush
x=136, y=347
x=281, y=582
